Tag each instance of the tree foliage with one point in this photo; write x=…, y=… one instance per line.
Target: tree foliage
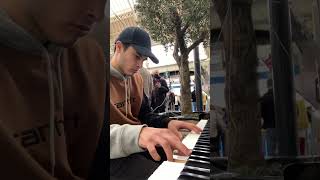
x=162, y=17
x=182, y=24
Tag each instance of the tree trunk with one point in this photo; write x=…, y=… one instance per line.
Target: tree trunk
x=185, y=91
x=241, y=90
x=309, y=49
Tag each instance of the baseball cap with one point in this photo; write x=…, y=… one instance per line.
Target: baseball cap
x=140, y=40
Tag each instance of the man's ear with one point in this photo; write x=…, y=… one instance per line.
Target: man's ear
x=118, y=46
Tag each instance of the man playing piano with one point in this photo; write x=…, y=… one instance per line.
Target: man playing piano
x=134, y=127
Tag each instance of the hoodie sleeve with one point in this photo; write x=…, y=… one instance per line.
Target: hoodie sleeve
x=146, y=115
x=124, y=140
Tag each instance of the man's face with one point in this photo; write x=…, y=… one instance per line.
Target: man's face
x=130, y=61
x=64, y=21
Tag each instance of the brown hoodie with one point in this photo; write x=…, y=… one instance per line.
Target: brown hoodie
x=126, y=94
x=51, y=106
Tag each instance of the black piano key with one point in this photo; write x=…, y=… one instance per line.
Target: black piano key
x=203, y=146
x=202, y=157
x=198, y=152
x=198, y=164
x=198, y=171
x=192, y=176
x=204, y=138
x=199, y=161
x=203, y=143
x=199, y=158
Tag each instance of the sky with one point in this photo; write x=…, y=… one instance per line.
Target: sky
x=166, y=58
x=119, y=6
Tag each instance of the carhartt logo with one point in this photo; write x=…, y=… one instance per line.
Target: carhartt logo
x=122, y=103
x=40, y=134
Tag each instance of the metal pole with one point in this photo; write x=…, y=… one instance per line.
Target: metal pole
x=283, y=84
x=197, y=78
x=316, y=20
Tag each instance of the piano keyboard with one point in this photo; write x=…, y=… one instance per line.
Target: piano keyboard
x=171, y=170
x=197, y=166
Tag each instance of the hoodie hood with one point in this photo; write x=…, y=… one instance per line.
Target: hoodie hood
x=115, y=73
x=14, y=36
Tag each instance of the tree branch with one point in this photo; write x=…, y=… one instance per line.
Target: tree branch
x=179, y=33
x=176, y=53
x=197, y=42
x=184, y=29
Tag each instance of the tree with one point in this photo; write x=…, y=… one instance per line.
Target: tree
x=308, y=46
x=182, y=24
x=241, y=90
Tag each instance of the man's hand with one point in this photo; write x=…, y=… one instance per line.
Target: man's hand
x=151, y=137
x=175, y=125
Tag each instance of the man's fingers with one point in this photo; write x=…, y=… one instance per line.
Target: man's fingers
x=183, y=150
x=182, y=154
x=169, y=140
x=191, y=127
x=176, y=143
x=177, y=133
x=196, y=129
x=167, y=149
x=153, y=152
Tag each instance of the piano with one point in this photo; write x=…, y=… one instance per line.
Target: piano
x=196, y=166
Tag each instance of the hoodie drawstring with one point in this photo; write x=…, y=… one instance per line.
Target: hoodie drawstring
x=126, y=92
x=129, y=90
x=51, y=114
x=60, y=81
x=127, y=82
x=52, y=106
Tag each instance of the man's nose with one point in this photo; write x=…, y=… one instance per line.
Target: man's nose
x=140, y=63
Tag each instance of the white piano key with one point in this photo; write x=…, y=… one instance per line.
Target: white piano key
x=168, y=171
x=191, y=139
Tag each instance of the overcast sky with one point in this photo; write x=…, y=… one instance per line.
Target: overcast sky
x=118, y=6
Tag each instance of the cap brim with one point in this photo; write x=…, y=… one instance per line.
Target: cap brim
x=146, y=52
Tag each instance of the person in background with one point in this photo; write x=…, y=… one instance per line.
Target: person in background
x=159, y=93
x=204, y=100
x=194, y=100
x=172, y=100
x=267, y=113
x=147, y=83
